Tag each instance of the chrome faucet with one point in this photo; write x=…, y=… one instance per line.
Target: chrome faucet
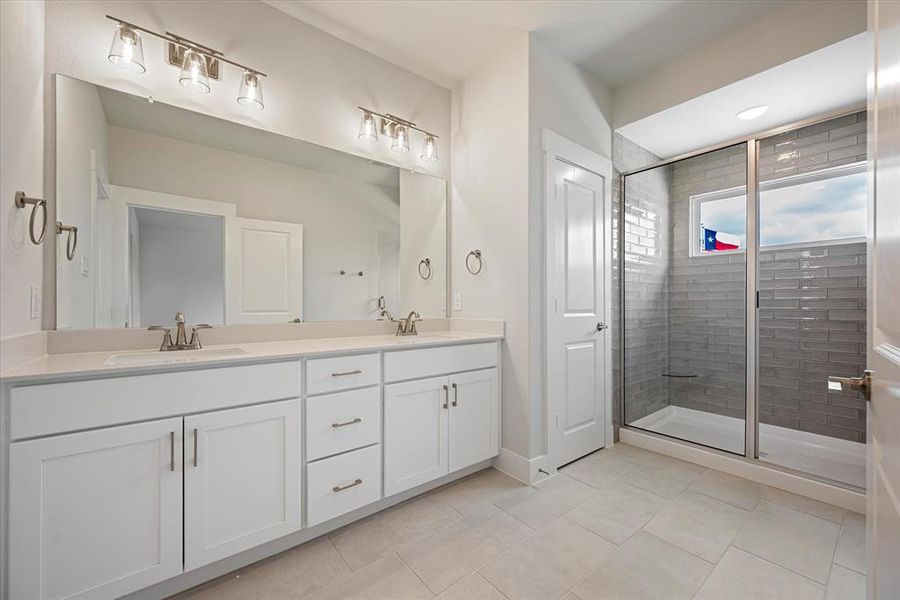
x=385, y=313
x=180, y=342
x=407, y=326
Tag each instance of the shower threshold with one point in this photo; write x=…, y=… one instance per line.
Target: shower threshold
x=816, y=454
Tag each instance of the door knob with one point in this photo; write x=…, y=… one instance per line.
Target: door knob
x=602, y=326
x=862, y=384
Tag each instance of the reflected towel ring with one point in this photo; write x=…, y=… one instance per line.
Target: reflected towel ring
x=22, y=201
x=425, y=268
x=71, y=238
x=480, y=261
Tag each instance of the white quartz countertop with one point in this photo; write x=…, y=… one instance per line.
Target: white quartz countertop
x=52, y=367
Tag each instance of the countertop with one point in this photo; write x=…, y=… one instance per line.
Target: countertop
x=55, y=367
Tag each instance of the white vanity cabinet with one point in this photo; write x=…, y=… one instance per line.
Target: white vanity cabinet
x=437, y=425
x=241, y=479
x=96, y=514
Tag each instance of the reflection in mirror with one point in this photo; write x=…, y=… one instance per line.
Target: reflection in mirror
x=179, y=211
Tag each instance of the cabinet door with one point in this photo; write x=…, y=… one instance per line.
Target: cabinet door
x=415, y=433
x=474, y=412
x=95, y=514
x=241, y=479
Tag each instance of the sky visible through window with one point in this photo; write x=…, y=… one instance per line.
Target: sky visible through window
x=809, y=212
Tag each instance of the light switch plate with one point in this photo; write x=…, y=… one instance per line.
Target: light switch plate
x=457, y=301
x=35, y=302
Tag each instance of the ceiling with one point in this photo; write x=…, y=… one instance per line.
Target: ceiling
x=817, y=83
x=134, y=112
x=445, y=40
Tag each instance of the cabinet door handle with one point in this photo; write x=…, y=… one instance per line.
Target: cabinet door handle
x=195, y=446
x=345, y=373
x=172, y=451
x=341, y=488
x=455, y=394
x=345, y=423
x=446, y=395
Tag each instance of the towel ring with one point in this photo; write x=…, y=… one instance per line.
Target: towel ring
x=477, y=255
x=425, y=268
x=22, y=201
x=71, y=238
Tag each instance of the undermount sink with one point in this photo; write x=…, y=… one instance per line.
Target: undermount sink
x=166, y=358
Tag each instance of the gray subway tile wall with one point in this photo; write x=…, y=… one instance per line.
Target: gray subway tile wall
x=686, y=314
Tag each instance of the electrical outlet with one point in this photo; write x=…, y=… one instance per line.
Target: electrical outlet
x=457, y=301
x=85, y=266
x=35, y=302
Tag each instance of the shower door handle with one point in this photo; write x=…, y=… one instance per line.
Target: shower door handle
x=602, y=326
x=862, y=384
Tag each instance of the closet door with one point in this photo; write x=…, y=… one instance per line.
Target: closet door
x=263, y=271
x=241, y=479
x=96, y=514
x=474, y=412
x=415, y=433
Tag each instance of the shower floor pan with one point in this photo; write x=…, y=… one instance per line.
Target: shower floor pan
x=812, y=453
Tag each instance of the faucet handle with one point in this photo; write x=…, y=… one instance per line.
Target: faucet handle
x=195, y=337
x=159, y=328
x=202, y=326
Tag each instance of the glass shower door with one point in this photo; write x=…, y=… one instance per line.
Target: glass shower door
x=683, y=240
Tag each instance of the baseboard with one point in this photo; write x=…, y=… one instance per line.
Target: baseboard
x=519, y=467
x=754, y=471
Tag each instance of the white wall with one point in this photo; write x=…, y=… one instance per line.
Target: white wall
x=182, y=269
x=341, y=217
x=489, y=211
x=21, y=158
x=315, y=81
x=565, y=99
x=82, y=131
x=782, y=35
x=423, y=233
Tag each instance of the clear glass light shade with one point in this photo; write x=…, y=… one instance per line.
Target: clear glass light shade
x=127, y=50
x=251, y=94
x=401, y=139
x=368, y=129
x=194, y=75
x=429, y=149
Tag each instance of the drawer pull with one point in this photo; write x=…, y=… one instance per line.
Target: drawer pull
x=455, y=394
x=171, y=450
x=341, y=488
x=446, y=395
x=345, y=373
x=345, y=423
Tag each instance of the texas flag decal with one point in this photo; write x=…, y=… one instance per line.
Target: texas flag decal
x=716, y=240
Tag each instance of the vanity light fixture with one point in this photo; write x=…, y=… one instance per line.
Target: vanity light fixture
x=198, y=63
x=397, y=130
x=368, y=131
x=127, y=50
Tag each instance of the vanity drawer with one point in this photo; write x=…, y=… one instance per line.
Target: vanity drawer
x=341, y=484
x=428, y=362
x=342, y=421
x=46, y=409
x=342, y=372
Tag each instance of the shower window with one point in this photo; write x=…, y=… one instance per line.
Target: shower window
x=826, y=206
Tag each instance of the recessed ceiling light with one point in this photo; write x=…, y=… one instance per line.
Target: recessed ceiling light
x=754, y=112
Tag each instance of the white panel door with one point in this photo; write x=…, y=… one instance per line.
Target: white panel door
x=263, y=271
x=415, y=433
x=883, y=426
x=96, y=514
x=474, y=431
x=577, y=314
x=241, y=479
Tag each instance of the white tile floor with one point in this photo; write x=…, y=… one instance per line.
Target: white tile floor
x=622, y=523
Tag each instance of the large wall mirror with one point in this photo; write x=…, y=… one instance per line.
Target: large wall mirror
x=180, y=211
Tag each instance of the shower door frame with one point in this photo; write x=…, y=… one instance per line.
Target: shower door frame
x=751, y=401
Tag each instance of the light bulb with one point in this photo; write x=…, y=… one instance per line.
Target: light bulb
x=127, y=50
x=368, y=130
x=401, y=139
x=429, y=149
x=754, y=112
x=250, y=93
x=193, y=72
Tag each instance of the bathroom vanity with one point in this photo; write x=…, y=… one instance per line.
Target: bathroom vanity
x=127, y=469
